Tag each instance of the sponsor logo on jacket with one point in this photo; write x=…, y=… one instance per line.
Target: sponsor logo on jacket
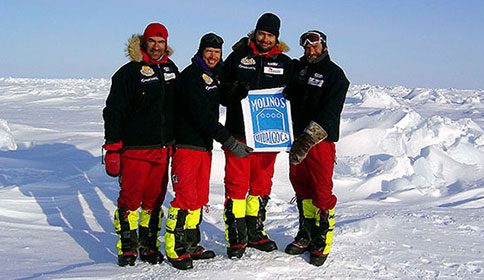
x=147, y=71
x=149, y=80
x=169, y=76
x=247, y=61
x=313, y=81
x=207, y=79
x=273, y=70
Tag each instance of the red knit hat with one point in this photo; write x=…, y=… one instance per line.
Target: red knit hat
x=155, y=30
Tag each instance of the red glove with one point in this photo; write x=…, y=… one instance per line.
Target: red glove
x=112, y=160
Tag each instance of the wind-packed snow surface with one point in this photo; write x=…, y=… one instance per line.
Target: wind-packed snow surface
x=409, y=179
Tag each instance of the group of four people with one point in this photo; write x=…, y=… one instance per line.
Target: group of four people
x=154, y=113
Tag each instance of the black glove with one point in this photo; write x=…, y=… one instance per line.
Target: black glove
x=238, y=148
x=240, y=90
x=312, y=135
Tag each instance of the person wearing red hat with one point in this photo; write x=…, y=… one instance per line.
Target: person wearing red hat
x=317, y=92
x=257, y=62
x=138, y=132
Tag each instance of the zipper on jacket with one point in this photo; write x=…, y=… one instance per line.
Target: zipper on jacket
x=163, y=119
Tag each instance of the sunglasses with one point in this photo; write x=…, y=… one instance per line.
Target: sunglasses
x=311, y=38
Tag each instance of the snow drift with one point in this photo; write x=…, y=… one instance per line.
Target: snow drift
x=409, y=179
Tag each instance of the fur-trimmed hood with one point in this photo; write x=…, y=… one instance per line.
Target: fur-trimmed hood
x=245, y=43
x=134, y=45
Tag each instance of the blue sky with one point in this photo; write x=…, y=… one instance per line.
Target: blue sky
x=414, y=43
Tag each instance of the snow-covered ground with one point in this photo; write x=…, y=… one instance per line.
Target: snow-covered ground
x=409, y=178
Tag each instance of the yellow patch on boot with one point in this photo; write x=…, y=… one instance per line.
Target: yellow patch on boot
x=309, y=209
x=133, y=217
x=193, y=219
x=253, y=205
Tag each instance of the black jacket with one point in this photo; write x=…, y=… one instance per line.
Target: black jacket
x=197, y=106
x=254, y=71
x=140, y=107
x=317, y=92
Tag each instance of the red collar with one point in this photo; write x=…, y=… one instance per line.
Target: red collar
x=147, y=59
x=275, y=50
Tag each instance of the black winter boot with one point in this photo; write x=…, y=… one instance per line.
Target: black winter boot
x=148, y=237
x=258, y=239
x=322, y=237
x=128, y=239
x=196, y=251
x=235, y=229
x=303, y=237
x=176, y=240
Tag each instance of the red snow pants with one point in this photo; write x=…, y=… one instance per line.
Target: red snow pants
x=144, y=178
x=313, y=177
x=252, y=174
x=190, y=176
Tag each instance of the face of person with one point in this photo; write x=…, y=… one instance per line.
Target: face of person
x=264, y=41
x=211, y=56
x=313, y=51
x=155, y=47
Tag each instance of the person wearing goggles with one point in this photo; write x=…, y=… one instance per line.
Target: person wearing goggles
x=317, y=91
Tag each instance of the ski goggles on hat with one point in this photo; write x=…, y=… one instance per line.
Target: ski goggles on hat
x=311, y=38
x=212, y=38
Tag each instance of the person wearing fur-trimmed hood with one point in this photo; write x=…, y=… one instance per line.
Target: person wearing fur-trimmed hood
x=138, y=132
x=257, y=62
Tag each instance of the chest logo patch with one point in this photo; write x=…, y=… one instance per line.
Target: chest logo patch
x=169, y=76
x=273, y=70
x=315, y=82
x=247, y=61
x=147, y=71
x=207, y=79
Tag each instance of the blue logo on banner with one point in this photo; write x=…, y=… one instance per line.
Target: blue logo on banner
x=270, y=121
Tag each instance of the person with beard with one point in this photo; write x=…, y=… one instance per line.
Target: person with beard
x=196, y=125
x=317, y=92
x=257, y=62
x=138, y=132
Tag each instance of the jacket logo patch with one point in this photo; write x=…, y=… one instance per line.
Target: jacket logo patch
x=247, y=61
x=167, y=69
x=315, y=82
x=169, y=76
x=207, y=79
x=209, y=88
x=273, y=70
x=148, y=80
x=318, y=76
x=272, y=63
x=147, y=71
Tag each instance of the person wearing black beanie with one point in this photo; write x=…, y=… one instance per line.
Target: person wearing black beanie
x=196, y=126
x=270, y=23
x=257, y=62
